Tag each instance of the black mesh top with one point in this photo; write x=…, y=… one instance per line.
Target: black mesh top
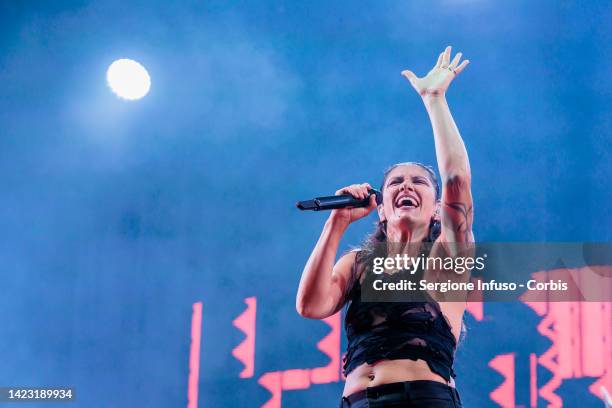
x=397, y=330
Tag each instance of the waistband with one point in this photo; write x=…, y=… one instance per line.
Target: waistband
x=415, y=389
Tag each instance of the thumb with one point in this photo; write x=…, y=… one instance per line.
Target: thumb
x=373, y=204
x=409, y=75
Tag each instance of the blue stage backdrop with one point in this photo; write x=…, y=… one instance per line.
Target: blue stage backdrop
x=151, y=251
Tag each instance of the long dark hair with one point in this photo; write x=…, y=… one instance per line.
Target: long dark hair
x=374, y=243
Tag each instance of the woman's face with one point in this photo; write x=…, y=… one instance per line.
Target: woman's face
x=409, y=199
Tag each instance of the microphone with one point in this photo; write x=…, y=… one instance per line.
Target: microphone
x=338, y=201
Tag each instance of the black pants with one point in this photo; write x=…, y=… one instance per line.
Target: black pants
x=406, y=394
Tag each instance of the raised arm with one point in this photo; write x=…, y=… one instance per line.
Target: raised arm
x=323, y=285
x=453, y=164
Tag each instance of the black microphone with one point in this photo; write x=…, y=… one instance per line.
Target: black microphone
x=338, y=201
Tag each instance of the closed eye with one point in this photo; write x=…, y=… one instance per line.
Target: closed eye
x=395, y=181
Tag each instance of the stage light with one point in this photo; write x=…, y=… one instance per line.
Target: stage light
x=128, y=79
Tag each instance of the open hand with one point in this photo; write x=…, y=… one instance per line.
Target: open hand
x=436, y=82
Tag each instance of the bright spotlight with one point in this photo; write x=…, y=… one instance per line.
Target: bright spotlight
x=128, y=79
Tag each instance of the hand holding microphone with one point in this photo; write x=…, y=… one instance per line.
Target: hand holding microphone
x=349, y=204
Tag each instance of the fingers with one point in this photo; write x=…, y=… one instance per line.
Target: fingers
x=443, y=61
x=369, y=208
x=455, y=60
x=446, y=56
x=362, y=189
x=439, y=63
x=461, y=67
x=373, y=203
x=409, y=75
x=359, y=191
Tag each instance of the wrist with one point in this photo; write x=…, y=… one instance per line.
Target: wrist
x=431, y=99
x=337, y=222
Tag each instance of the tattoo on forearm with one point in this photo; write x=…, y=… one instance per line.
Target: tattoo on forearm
x=460, y=217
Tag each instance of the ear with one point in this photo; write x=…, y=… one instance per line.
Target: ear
x=437, y=216
x=381, y=213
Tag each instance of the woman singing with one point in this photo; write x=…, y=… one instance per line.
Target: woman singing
x=400, y=354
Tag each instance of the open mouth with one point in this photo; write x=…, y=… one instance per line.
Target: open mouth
x=406, y=202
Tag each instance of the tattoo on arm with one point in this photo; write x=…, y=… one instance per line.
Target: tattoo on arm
x=460, y=217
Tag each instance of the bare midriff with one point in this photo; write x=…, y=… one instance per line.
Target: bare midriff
x=389, y=371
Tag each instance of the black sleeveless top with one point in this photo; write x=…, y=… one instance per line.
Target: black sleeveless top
x=397, y=330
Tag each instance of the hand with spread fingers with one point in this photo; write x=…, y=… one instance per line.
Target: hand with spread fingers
x=436, y=82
